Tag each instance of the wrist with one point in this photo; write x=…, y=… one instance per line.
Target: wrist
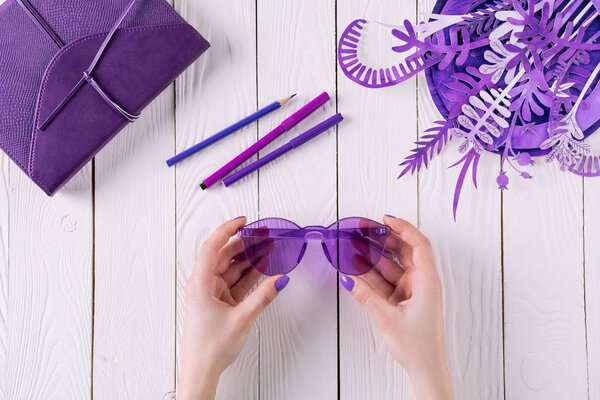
x=199, y=386
x=432, y=383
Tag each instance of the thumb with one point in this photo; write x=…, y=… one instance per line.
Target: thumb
x=377, y=307
x=262, y=296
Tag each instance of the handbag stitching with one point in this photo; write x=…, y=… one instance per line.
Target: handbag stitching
x=62, y=52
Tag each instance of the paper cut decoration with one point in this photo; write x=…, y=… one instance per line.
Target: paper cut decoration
x=517, y=78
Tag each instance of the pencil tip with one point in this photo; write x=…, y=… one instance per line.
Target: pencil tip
x=283, y=101
x=203, y=186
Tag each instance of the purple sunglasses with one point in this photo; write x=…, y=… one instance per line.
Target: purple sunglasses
x=275, y=246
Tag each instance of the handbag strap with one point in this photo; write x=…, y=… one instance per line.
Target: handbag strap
x=88, y=78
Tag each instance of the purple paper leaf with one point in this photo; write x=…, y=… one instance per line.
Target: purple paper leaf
x=436, y=139
x=469, y=158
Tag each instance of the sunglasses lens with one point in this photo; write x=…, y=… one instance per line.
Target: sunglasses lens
x=272, y=246
x=355, y=245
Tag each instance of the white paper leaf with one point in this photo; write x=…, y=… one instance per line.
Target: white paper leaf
x=493, y=130
x=492, y=57
x=510, y=74
x=500, y=121
x=485, y=137
x=464, y=121
x=456, y=132
x=486, y=97
x=469, y=111
x=477, y=146
x=438, y=22
x=550, y=142
x=504, y=111
x=573, y=126
x=476, y=102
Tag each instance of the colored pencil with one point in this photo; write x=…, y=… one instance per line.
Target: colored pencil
x=285, y=126
x=228, y=131
x=291, y=145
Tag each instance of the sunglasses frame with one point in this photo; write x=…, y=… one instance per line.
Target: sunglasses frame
x=317, y=232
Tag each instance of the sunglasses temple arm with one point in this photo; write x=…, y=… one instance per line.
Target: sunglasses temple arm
x=385, y=252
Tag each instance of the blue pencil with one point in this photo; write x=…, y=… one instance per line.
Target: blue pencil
x=227, y=131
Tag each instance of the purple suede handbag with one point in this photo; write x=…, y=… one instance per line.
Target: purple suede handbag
x=73, y=73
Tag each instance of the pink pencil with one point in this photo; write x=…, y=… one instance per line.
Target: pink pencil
x=285, y=126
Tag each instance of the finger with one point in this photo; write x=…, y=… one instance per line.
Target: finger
x=255, y=251
x=222, y=234
x=420, y=246
x=390, y=269
x=231, y=251
x=241, y=288
x=235, y=272
x=261, y=297
x=378, y=283
x=377, y=307
x=425, y=278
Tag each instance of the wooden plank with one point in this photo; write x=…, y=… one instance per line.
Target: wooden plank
x=134, y=312
x=468, y=254
x=217, y=91
x=545, y=345
x=592, y=283
x=50, y=281
x=4, y=240
x=298, y=333
x=4, y=228
x=381, y=126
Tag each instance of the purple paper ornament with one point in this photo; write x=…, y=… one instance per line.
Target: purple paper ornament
x=502, y=181
x=524, y=159
x=526, y=175
x=517, y=78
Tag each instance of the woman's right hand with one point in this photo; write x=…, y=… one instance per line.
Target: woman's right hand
x=404, y=299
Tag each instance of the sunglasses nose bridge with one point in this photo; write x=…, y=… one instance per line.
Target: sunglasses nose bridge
x=314, y=233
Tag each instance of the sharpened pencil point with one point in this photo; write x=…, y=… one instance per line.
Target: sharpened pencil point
x=283, y=101
x=203, y=186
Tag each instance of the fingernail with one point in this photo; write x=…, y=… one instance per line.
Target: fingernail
x=389, y=216
x=281, y=283
x=241, y=216
x=347, y=282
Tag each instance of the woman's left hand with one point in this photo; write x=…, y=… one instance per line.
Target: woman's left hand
x=218, y=315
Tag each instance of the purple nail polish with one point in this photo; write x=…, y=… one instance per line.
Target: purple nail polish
x=347, y=282
x=281, y=283
x=241, y=216
x=389, y=215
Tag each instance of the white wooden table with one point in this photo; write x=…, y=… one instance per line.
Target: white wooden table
x=91, y=281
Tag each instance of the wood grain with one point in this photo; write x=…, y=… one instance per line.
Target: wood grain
x=4, y=241
x=50, y=302
x=543, y=286
x=298, y=333
x=380, y=127
x=217, y=91
x=468, y=253
x=134, y=312
x=592, y=283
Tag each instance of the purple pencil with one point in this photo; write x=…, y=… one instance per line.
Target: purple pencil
x=291, y=145
x=285, y=126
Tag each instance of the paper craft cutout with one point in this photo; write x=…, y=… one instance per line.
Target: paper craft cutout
x=517, y=78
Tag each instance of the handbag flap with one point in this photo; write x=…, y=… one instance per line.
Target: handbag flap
x=152, y=46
